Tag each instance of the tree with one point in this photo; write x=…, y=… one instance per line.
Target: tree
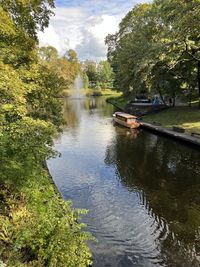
x=49, y=54
x=98, y=74
x=91, y=72
x=66, y=67
x=30, y=115
x=105, y=74
x=72, y=58
x=72, y=55
x=150, y=37
x=126, y=50
x=30, y=16
x=183, y=29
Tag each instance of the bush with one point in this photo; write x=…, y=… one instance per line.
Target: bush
x=40, y=228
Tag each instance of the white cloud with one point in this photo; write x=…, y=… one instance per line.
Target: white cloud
x=107, y=24
x=49, y=37
x=84, y=27
x=64, y=31
x=96, y=29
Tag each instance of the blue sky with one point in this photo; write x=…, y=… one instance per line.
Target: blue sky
x=83, y=25
x=100, y=6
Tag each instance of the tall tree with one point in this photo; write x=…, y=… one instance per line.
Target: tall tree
x=164, y=33
x=91, y=72
x=30, y=114
x=105, y=74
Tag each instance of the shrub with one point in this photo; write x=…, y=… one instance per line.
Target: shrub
x=40, y=228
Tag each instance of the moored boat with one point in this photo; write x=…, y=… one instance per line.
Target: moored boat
x=126, y=120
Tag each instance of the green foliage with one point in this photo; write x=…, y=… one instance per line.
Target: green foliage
x=91, y=72
x=99, y=75
x=157, y=49
x=37, y=227
x=48, y=54
x=29, y=16
x=11, y=86
x=41, y=229
x=105, y=74
x=85, y=80
x=66, y=67
x=72, y=56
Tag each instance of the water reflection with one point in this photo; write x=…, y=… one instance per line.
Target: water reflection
x=143, y=191
x=99, y=103
x=71, y=113
x=167, y=176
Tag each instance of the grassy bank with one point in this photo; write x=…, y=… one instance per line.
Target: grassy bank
x=118, y=100
x=101, y=92
x=39, y=228
x=185, y=117
x=92, y=92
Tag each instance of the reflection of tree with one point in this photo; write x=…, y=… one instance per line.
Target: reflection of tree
x=73, y=109
x=167, y=177
x=70, y=113
x=98, y=103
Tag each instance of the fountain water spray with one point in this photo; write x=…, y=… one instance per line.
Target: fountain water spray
x=78, y=85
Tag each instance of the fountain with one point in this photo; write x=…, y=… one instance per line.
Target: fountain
x=78, y=85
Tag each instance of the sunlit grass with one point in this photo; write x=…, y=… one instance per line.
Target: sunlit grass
x=185, y=117
x=101, y=92
x=110, y=92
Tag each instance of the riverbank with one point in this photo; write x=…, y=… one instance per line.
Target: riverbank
x=118, y=101
x=39, y=228
x=92, y=92
x=101, y=92
x=183, y=117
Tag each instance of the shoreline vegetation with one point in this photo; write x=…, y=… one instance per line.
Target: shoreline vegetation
x=37, y=227
x=103, y=92
x=93, y=92
x=185, y=117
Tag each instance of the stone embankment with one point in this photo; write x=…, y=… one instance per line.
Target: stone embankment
x=193, y=139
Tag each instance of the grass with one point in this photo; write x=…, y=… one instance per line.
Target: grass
x=118, y=101
x=101, y=92
x=110, y=92
x=92, y=92
x=185, y=117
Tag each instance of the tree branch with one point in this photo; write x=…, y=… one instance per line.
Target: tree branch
x=191, y=54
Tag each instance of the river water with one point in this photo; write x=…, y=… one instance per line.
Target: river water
x=142, y=190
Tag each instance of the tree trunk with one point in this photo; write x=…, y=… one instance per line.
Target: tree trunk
x=161, y=96
x=190, y=96
x=174, y=99
x=198, y=80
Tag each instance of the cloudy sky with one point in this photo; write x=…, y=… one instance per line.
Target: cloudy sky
x=83, y=25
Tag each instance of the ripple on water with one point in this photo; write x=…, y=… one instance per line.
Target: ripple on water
x=100, y=171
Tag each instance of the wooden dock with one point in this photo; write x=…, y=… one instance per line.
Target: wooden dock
x=186, y=138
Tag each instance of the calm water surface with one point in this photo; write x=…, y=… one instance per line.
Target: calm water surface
x=142, y=191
